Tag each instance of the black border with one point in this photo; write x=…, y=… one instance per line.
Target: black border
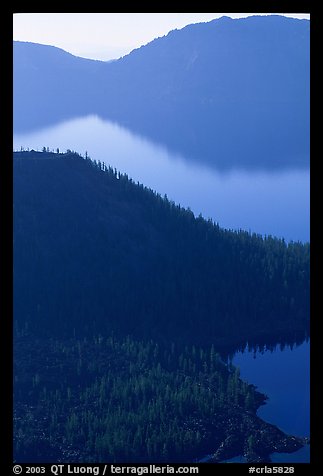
x=6, y=235
x=6, y=283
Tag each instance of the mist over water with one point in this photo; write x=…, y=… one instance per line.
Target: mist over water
x=266, y=201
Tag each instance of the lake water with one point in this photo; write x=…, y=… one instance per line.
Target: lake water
x=284, y=376
x=272, y=202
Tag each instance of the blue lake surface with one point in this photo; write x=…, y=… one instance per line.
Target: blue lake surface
x=272, y=202
x=266, y=201
x=284, y=376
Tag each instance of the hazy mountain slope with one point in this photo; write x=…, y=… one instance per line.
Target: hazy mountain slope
x=253, y=59
x=50, y=83
x=224, y=92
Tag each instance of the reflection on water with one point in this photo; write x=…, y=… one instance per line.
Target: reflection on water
x=284, y=376
x=275, y=203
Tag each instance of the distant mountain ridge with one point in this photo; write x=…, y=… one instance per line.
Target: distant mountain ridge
x=47, y=81
x=216, y=90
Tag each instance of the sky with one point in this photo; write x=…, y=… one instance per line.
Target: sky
x=106, y=36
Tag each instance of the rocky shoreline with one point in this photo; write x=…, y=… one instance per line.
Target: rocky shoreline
x=253, y=439
x=51, y=387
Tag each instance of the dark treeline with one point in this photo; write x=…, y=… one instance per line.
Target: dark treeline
x=95, y=252
x=122, y=302
x=108, y=400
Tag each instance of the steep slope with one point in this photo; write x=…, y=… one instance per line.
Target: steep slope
x=226, y=92
x=256, y=59
x=93, y=252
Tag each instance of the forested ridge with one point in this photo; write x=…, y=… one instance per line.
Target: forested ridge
x=95, y=252
x=123, y=301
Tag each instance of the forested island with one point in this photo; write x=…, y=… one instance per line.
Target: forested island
x=124, y=306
